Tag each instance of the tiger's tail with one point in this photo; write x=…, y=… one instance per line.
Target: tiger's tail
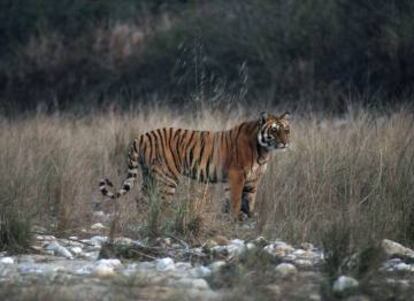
x=133, y=161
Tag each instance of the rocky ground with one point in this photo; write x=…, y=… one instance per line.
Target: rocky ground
x=168, y=269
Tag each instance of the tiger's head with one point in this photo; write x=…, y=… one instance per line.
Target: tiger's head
x=274, y=131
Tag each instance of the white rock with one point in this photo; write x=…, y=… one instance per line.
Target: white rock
x=403, y=267
x=299, y=252
x=76, y=250
x=124, y=241
x=200, y=272
x=7, y=260
x=236, y=247
x=237, y=242
x=165, y=264
x=250, y=246
x=113, y=263
x=45, y=237
x=183, y=266
x=73, y=237
x=344, y=283
x=286, y=269
x=59, y=250
x=217, y=265
x=97, y=240
x=104, y=271
x=303, y=263
x=98, y=226
x=392, y=248
x=279, y=248
x=200, y=284
x=189, y=283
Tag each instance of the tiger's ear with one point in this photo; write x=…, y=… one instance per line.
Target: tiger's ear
x=263, y=117
x=285, y=116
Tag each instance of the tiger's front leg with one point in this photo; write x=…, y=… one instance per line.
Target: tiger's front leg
x=248, y=201
x=236, y=184
x=249, y=197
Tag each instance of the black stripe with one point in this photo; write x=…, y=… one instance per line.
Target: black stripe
x=174, y=154
x=163, y=138
x=151, y=150
x=155, y=148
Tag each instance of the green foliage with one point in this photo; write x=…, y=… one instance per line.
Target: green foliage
x=69, y=52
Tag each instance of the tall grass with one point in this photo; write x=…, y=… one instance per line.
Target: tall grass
x=356, y=170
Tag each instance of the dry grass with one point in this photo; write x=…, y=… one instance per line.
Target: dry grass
x=357, y=170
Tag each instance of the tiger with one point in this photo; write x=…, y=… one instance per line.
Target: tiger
x=237, y=157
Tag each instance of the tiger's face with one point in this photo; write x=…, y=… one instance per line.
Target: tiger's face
x=274, y=131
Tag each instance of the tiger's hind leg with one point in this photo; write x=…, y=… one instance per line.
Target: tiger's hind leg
x=157, y=184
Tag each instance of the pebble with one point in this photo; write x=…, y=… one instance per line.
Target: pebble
x=344, y=283
x=115, y=263
x=200, y=272
x=98, y=226
x=217, y=265
x=7, y=260
x=97, y=240
x=59, y=250
x=106, y=267
x=165, y=264
x=183, y=266
x=188, y=283
x=286, y=270
x=104, y=271
x=76, y=250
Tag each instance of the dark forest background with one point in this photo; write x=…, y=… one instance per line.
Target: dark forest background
x=59, y=55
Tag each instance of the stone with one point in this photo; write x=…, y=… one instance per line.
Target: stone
x=217, y=265
x=106, y=267
x=124, y=241
x=59, y=250
x=183, y=266
x=286, y=270
x=260, y=242
x=97, y=240
x=344, y=283
x=165, y=264
x=7, y=260
x=394, y=249
x=279, y=248
x=299, y=252
x=104, y=271
x=303, y=263
x=97, y=227
x=76, y=250
x=188, y=283
x=250, y=246
x=114, y=263
x=200, y=272
x=403, y=267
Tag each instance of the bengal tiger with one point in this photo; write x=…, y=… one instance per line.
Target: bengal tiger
x=237, y=157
